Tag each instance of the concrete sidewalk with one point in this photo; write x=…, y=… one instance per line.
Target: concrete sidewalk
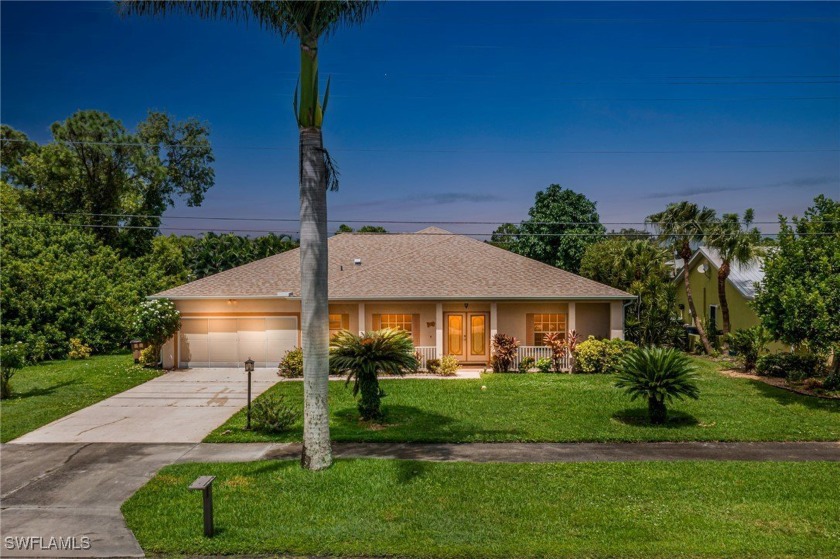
x=530, y=452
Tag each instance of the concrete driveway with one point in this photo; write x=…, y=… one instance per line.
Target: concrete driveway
x=177, y=407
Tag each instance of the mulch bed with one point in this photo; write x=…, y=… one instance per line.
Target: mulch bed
x=780, y=383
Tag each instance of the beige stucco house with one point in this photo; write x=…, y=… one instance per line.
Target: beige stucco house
x=451, y=292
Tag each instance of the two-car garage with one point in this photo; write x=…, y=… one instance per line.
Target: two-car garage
x=229, y=341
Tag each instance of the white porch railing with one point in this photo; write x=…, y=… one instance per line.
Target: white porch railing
x=424, y=353
x=538, y=352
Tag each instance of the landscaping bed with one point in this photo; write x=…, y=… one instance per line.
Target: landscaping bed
x=53, y=389
x=441, y=510
x=561, y=408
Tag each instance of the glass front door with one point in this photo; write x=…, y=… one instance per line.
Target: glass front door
x=466, y=336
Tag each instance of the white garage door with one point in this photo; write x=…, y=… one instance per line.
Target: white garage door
x=228, y=342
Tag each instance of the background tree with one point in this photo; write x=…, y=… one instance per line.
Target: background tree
x=641, y=268
x=799, y=299
x=737, y=244
x=681, y=225
x=212, y=253
x=308, y=21
x=561, y=224
x=505, y=236
x=96, y=172
x=344, y=228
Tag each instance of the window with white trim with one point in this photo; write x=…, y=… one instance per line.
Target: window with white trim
x=548, y=323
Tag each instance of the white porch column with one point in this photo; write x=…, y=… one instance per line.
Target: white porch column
x=362, y=327
x=617, y=320
x=439, y=330
x=571, y=319
x=494, y=320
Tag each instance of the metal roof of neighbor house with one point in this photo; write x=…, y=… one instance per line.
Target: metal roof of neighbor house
x=742, y=278
x=430, y=264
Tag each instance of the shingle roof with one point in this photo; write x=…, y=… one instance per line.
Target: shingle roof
x=742, y=278
x=430, y=264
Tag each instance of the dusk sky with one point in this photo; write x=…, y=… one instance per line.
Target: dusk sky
x=463, y=111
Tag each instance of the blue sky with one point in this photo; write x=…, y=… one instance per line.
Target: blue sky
x=462, y=111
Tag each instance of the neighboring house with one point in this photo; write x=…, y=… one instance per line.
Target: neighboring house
x=451, y=292
x=740, y=290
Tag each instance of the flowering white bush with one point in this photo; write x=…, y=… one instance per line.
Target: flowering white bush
x=156, y=321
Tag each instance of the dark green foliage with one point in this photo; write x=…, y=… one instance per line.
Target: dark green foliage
x=344, y=228
x=12, y=359
x=363, y=357
x=95, y=171
x=792, y=366
x=641, y=268
x=561, y=224
x=526, y=364
x=799, y=299
x=213, y=253
x=291, y=366
x=749, y=344
x=433, y=366
x=271, y=414
x=594, y=356
x=659, y=375
x=504, y=352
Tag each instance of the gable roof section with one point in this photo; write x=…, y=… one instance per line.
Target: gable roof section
x=430, y=264
x=742, y=278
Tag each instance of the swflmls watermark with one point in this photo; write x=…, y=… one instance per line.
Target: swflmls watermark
x=38, y=543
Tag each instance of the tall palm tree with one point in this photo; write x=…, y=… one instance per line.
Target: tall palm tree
x=736, y=243
x=307, y=21
x=679, y=226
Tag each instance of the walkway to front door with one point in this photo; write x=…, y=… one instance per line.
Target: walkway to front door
x=467, y=337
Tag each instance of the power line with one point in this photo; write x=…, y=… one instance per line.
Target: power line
x=442, y=150
x=429, y=234
x=386, y=221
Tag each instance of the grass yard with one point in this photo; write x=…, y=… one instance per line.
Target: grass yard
x=431, y=509
x=53, y=389
x=562, y=408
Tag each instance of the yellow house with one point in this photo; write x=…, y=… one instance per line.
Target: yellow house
x=452, y=293
x=740, y=290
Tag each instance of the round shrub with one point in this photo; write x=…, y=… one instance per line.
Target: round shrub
x=12, y=358
x=271, y=414
x=544, y=365
x=448, y=366
x=291, y=365
x=78, y=350
x=594, y=356
x=526, y=364
x=791, y=366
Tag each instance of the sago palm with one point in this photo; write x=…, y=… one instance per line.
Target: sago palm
x=660, y=375
x=364, y=357
x=308, y=21
x=738, y=244
x=679, y=226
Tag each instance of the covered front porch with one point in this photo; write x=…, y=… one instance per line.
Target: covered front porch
x=464, y=329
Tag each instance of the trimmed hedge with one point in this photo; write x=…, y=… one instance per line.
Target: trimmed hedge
x=791, y=366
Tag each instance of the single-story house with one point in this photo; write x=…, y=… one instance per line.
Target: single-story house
x=453, y=293
x=740, y=289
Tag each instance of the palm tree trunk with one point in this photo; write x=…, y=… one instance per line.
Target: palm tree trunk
x=317, y=452
x=723, y=273
x=704, y=339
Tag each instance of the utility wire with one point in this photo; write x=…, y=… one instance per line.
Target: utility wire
x=401, y=150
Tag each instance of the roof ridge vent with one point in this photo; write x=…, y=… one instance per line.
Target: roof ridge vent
x=357, y=261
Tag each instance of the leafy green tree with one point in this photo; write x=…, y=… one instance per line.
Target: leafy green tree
x=344, y=228
x=799, y=299
x=660, y=375
x=641, y=268
x=679, y=226
x=364, y=357
x=505, y=236
x=561, y=224
x=97, y=172
x=213, y=253
x=736, y=243
x=309, y=22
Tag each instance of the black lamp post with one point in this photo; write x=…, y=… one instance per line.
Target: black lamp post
x=249, y=368
x=136, y=346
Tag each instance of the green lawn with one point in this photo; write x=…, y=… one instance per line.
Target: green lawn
x=428, y=509
x=551, y=407
x=53, y=389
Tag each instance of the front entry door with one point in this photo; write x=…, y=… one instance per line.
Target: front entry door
x=466, y=337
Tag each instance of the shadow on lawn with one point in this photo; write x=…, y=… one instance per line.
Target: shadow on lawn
x=786, y=397
x=410, y=424
x=42, y=391
x=638, y=417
